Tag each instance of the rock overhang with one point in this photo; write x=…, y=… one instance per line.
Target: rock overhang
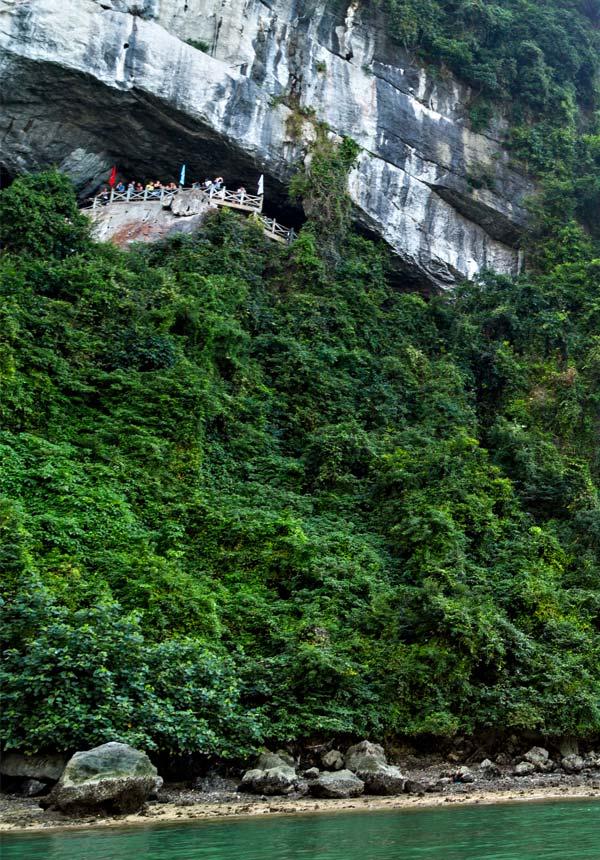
x=87, y=83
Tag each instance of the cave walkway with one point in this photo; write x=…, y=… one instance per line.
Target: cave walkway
x=241, y=200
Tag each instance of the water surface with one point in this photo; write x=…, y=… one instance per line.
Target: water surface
x=546, y=831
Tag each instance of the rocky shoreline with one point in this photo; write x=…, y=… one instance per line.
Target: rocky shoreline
x=431, y=781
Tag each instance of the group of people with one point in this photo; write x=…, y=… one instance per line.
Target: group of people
x=154, y=189
x=211, y=186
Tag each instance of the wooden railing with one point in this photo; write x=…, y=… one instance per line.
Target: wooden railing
x=274, y=230
x=130, y=196
x=231, y=199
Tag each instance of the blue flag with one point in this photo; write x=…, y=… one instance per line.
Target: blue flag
x=182, y=176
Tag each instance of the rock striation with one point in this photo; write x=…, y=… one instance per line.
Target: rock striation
x=235, y=88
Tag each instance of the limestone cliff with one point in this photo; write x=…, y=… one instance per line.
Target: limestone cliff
x=87, y=83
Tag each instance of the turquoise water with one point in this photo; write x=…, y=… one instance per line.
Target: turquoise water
x=569, y=831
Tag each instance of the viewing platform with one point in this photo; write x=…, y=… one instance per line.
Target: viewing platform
x=241, y=200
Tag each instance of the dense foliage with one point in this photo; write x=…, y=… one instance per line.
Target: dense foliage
x=536, y=54
x=538, y=64
x=248, y=493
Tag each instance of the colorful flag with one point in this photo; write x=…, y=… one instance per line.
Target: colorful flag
x=113, y=177
x=261, y=185
x=182, y=175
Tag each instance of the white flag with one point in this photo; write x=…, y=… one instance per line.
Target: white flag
x=261, y=185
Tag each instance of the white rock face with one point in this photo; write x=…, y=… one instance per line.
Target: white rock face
x=87, y=83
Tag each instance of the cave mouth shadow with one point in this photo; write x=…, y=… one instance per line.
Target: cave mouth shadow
x=86, y=128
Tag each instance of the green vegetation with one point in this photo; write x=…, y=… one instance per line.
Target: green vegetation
x=252, y=493
x=258, y=494
x=199, y=45
x=538, y=63
x=537, y=54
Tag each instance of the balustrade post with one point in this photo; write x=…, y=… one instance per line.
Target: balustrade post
x=94, y=202
x=112, y=195
x=145, y=194
x=128, y=194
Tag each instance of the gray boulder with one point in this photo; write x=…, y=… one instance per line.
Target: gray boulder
x=113, y=777
x=524, y=768
x=332, y=760
x=42, y=767
x=311, y=773
x=572, y=763
x=274, y=780
x=340, y=783
x=362, y=755
x=538, y=756
x=592, y=760
x=464, y=774
x=273, y=773
x=250, y=778
x=267, y=759
x=489, y=769
x=369, y=763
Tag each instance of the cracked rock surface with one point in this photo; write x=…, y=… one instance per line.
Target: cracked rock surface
x=89, y=83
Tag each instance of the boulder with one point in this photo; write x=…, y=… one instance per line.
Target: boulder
x=274, y=780
x=113, y=777
x=311, y=773
x=572, y=763
x=524, y=768
x=250, y=778
x=267, y=759
x=187, y=203
x=340, y=783
x=489, y=769
x=464, y=774
x=286, y=757
x=43, y=767
x=591, y=760
x=361, y=754
x=369, y=763
x=538, y=756
x=332, y=760
x=273, y=773
x=413, y=786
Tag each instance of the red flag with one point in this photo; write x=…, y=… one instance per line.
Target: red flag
x=113, y=177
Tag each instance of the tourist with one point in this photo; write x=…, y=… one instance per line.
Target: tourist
x=241, y=191
x=139, y=188
x=120, y=189
x=130, y=188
